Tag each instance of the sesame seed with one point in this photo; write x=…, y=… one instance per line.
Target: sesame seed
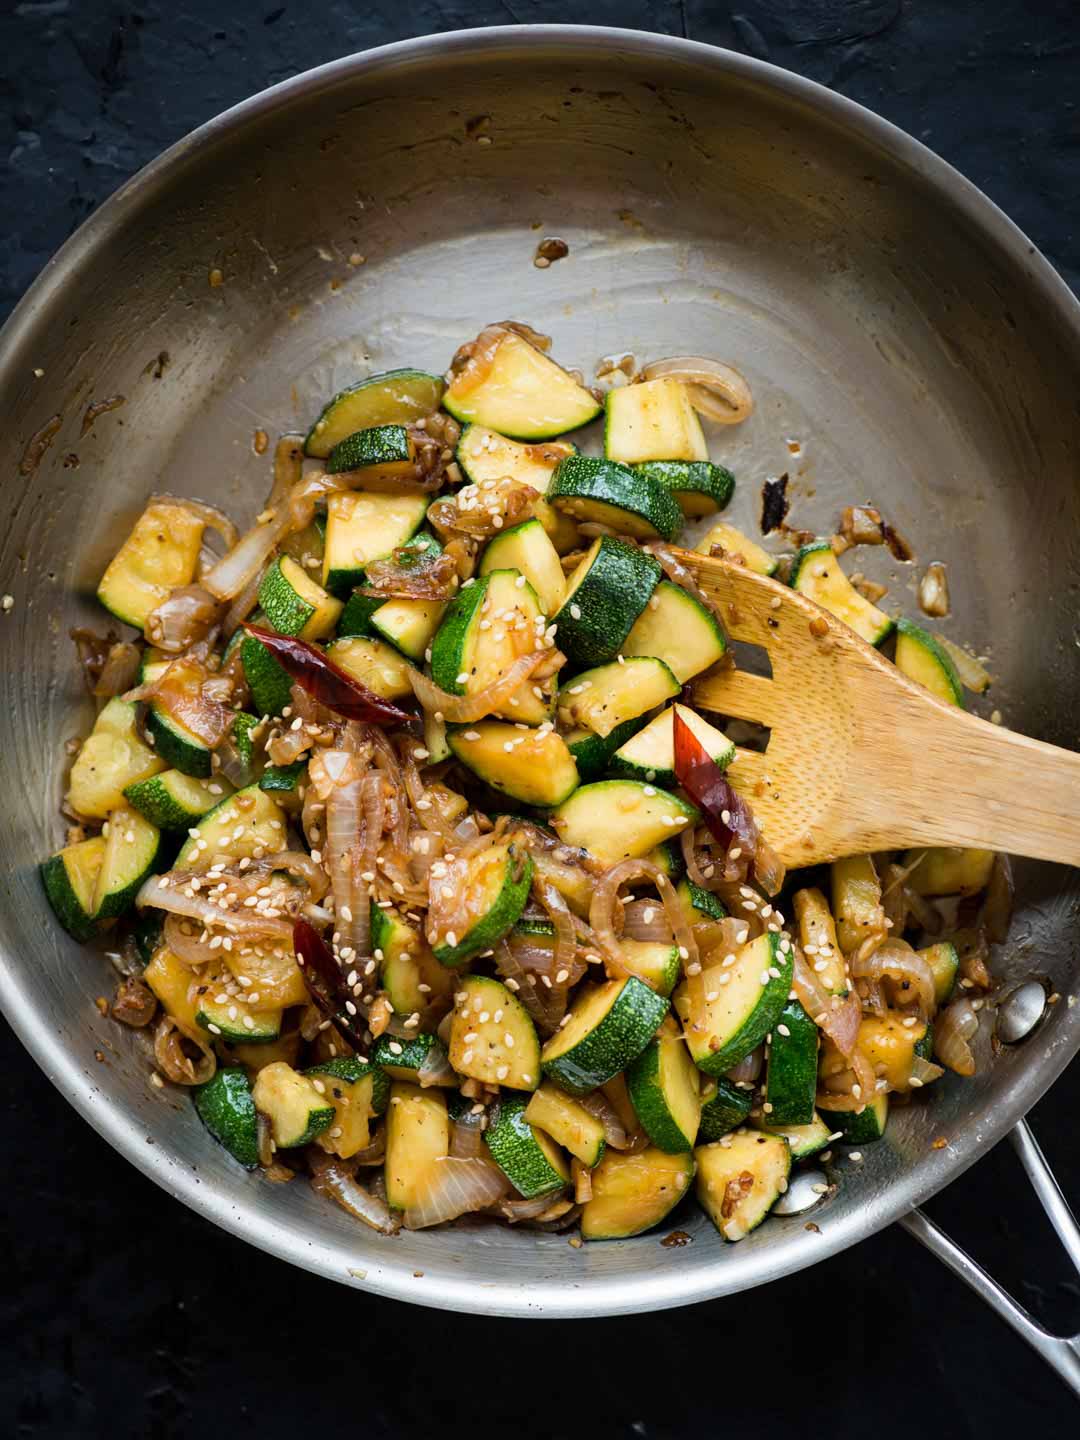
x=855, y=1155
x=575, y=612
x=783, y=1030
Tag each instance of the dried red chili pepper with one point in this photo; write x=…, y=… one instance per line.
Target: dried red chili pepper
x=727, y=816
x=325, y=981
x=314, y=672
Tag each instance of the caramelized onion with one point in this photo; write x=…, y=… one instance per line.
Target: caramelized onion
x=333, y=1177
x=119, y=672
x=463, y=709
x=896, y=960
x=954, y=1028
x=193, y=698
x=748, y=1069
x=168, y=892
x=185, y=617
x=601, y=1107
x=934, y=590
x=451, y=1187
x=182, y=1057
x=716, y=390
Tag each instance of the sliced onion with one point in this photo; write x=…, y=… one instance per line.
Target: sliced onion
x=169, y=893
x=451, y=1187
x=973, y=674
x=373, y=1154
x=463, y=709
x=436, y=1069
x=172, y=1051
x=923, y=1072
x=646, y=920
x=517, y=1211
x=352, y=902
x=601, y=1107
x=236, y=571
x=119, y=672
x=467, y=1138
x=896, y=960
x=749, y=1067
x=238, y=769
x=716, y=390
x=243, y=603
x=191, y=696
x=953, y=1029
x=336, y=1181
x=605, y=909
x=185, y=617
x=934, y=590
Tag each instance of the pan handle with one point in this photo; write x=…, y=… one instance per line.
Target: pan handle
x=1060, y=1352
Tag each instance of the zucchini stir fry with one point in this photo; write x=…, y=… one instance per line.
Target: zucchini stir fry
x=417, y=862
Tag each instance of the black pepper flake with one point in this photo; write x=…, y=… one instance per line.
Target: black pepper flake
x=774, y=503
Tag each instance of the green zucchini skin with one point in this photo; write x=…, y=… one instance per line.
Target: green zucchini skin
x=723, y=1109
x=513, y=1146
x=791, y=1082
x=392, y=397
x=587, y=488
x=612, y=1044
x=698, y=486
x=596, y=616
x=377, y=445
x=225, y=1107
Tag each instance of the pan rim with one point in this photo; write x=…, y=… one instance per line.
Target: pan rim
x=730, y=1271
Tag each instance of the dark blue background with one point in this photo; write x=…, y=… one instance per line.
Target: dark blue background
x=122, y=1314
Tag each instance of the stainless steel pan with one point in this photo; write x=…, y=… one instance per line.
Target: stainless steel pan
x=887, y=316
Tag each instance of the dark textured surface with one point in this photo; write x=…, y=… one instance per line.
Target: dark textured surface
x=124, y=1314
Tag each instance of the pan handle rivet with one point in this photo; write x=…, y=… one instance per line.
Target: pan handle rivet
x=1021, y=1011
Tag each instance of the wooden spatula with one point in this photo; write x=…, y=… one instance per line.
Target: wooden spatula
x=861, y=758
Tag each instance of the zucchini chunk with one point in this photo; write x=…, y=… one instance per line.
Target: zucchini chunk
x=817, y=936
x=270, y=684
x=296, y=1110
x=891, y=1046
x=633, y=1193
x=358, y=1092
x=737, y=546
x=484, y=455
x=856, y=901
x=294, y=604
x=611, y=694
x=381, y=451
x=620, y=819
x=435, y=741
x=605, y=595
x=791, y=1077
x=225, y=1107
x=699, y=487
x=161, y=552
x=609, y=1026
x=393, y=398
x=944, y=963
x=533, y=766
x=528, y=1157
x=233, y=1020
x=174, y=984
x=527, y=549
x=178, y=747
x=487, y=626
x=740, y=1179
x=743, y=1003
x=409, y=625
x=920, y=657
x=275, y=979
x=652, y=420
x=492, y=1038
x=520, y=393
x=70, y=880
x=132, y=852
x=283, y=780
x=172, y=800
x=592, y=753
x=356, y=616
x=665, y=1090
x=654, y=961
x=112, y=757
x=678, y=629
x=404, y=1058
x=492, y=887
x=568, y=1123
x=667, y=857
x=417, y=1134
x=603, y=492
x=650, y=754
x=816, y=574
x=803, y=1140
x=723, y=1107
x=362, y=526
x=408, y=972
x=859, y=1127
x=374, y=663
x=247, y=825
x=947, y=870
x=699, y=904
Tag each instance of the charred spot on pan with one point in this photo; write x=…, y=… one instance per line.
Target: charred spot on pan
x=774, y=503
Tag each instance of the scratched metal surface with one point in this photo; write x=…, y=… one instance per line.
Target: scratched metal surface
x=884, y=314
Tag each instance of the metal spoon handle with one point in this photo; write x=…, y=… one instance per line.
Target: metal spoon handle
x=1060, y=1352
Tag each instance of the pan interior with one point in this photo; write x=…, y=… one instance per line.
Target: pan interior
x=378, y=214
